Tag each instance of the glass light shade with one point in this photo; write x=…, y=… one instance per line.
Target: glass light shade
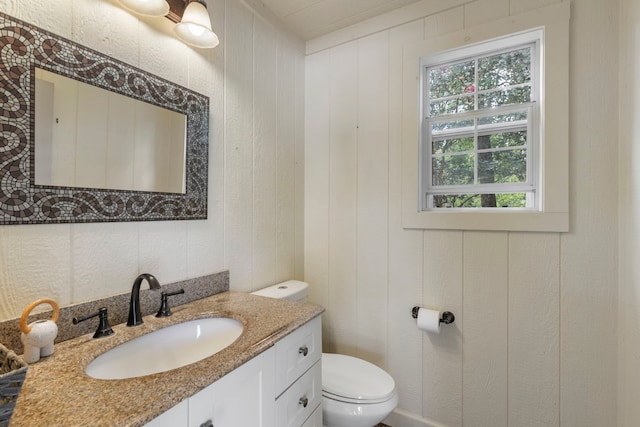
x=155, y=8
x=195, y=26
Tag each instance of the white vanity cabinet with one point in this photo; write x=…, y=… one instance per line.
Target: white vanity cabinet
x=281, y=387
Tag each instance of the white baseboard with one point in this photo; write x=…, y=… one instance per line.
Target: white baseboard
x=402, y=418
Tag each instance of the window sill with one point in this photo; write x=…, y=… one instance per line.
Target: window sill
x=491, y=221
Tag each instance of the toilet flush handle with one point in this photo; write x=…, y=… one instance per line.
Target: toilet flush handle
x=303, y=351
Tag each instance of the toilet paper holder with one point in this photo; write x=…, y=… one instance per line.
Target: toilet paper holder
x=447, y=317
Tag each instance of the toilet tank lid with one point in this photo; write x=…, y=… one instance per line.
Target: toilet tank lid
x=291, y=289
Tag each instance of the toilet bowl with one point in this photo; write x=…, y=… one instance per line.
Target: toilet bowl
x=355, y=393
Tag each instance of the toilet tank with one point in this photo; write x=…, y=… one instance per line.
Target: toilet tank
x=293, y=290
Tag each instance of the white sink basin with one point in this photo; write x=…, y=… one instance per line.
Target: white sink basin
x=165, y=349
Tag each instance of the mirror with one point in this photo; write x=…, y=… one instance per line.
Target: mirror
x=86, y=136
x=62, y=159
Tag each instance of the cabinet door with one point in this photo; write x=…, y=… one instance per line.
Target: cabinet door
x=174, y=417
x=244, y=397
x=315, y=420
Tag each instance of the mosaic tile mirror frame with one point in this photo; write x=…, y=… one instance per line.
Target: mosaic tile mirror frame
x=23, y=47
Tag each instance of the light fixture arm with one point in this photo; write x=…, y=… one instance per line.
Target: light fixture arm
x=176, y=10
x=177, y=7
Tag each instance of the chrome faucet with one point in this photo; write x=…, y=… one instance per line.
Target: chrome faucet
x=135, y=318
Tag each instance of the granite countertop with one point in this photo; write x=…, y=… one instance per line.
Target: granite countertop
x=57, y=392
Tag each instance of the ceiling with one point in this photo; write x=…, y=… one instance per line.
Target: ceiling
x=312, y=18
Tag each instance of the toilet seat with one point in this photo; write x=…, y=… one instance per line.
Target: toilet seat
x=352, y=380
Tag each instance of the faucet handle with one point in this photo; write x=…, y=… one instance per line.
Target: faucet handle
x=104, y=329
x=164, y=310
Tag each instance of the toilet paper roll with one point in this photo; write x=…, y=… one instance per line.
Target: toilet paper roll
x=429, y=320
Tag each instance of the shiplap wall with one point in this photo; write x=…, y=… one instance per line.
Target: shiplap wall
x=255, y=81
x=534, y=343
x=629, y=349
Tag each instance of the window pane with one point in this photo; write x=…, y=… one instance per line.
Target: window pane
x=517, y=95
x=451, y=80
x=510, y=200
x=501, y=140
x=506, y=69
x=452, y=170
x=502, y=166
x=451, y=145
x=456, y=201
x=450, y=124
x=451, y=106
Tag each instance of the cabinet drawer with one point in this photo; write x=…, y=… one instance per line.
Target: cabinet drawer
x=295, y=405
x=296, y=353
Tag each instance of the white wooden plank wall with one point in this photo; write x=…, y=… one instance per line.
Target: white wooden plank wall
x=261, y=128
x=316, y=182
x=265, y=70
x=629, y=230
x=405, y=265
x=534, y=335
x=238, y=144
x=442, y=372
x=285, y=161
x=511, y=358
x=372, y=195
x=485, y=309
x=588, y=263
x=255, y=82
x=343, y=169
x=299, y=166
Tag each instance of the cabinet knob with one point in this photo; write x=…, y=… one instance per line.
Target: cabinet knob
x=207, y=423
x=304, y=401
x=303, y=350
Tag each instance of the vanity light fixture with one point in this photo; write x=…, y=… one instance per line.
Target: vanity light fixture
x=155, y=8
x=195, y=26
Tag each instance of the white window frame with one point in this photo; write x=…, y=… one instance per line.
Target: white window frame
x=551, y=211
x=531, y=40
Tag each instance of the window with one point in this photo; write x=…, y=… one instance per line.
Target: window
x=485, y=126
x=479, y=130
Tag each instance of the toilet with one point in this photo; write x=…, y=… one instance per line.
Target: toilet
x=355, y=393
